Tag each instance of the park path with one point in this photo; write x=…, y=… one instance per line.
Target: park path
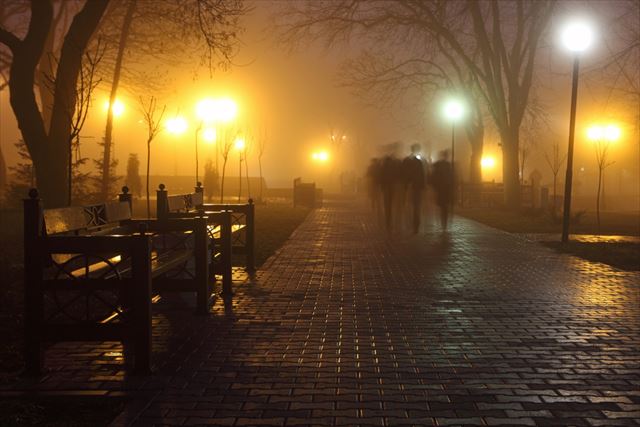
x=346, y=325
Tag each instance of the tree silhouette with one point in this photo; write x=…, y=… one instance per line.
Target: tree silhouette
x=495, y=43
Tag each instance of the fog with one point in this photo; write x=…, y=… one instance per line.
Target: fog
x=292, y=96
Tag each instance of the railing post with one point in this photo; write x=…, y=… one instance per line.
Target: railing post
x=141, y=303
x=202, y=265
x=198, y=188
x=250, y=236
x=162, y=210
x=125, y=196
x=33, y=292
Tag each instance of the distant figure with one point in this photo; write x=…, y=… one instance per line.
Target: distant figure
x=373, y=183
x=389, y=174
x=442, y=180
x=414, y=181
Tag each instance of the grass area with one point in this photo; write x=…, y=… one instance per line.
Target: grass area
x=623, y=255
x=620, y=254
x=274, y=224
x=535, y=221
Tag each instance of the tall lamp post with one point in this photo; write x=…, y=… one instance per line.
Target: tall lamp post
x=577, y=37
x=453, y=111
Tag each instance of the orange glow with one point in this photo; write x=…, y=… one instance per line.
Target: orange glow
x=609, y=133
x=177, y=125
x=320, y=156
x=118, y=107
x=488, y=162
x=239, y=144
x=209, y=135
x=217, y=110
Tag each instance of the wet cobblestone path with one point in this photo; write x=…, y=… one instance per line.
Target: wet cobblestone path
x=349, y=326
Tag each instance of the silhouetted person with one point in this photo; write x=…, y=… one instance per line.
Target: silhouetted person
x=373, y=182
x=442, y=180
x=414, y=180
x=389, y=176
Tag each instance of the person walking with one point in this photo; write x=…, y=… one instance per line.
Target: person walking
x=414, y=181
x=442, y=181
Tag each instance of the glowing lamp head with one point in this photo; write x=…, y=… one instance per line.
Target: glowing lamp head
x=488, y=162
x=454, y=110
x=577, y=36
x=221, y=110
x=176, y=125
x=205, y=110
x=118, y=107
x=226, y=110
x=320, y=156
x=609, y=133
x=239, y=144
x=209, y=135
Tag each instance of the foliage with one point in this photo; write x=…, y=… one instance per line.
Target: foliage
x=21, y=176
x=211, y=180
x=97, y=178
x=492, y=44
x=133, y=175
x=32, y=33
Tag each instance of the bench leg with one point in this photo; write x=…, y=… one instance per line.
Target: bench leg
x=142, y=319
x=33, y=319
x=226, y=250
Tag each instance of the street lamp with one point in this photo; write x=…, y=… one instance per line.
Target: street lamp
x=118, y=107
x=454, y=111
x=577, y=37
x=214, y=111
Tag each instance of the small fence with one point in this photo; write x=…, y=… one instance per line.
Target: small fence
x=491, y=194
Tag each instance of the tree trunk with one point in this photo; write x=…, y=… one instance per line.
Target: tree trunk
x=108, y=133
x=510, y=169
x=600, y=170
x=3, y=174
x=476, y=140
x=59, y=144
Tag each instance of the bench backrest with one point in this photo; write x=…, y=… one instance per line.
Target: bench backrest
x=85, y=219
x=178, y=203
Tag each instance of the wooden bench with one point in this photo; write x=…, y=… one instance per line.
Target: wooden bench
x=231, y=229
x=90, y=274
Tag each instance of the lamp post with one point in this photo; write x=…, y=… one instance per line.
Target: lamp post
x=577, y=37
x=240, y=145
x=453, y=111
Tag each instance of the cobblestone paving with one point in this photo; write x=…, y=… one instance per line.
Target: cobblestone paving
x=349, y=326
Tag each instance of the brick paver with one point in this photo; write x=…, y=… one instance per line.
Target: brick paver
x=349, y=326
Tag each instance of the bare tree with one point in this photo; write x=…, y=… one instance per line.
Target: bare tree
x=261, y=145
x=48, y=145
x=149, y=112
x=555, y=162
x=25, y=38
x=496, y=43
x=141, y=27
x=87, y=83
x=602, y=149
x=227, y=138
